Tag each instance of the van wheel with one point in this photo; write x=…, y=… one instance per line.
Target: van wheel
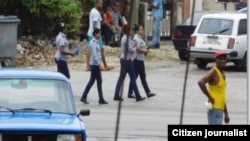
x=202, y=64
x=242, y=64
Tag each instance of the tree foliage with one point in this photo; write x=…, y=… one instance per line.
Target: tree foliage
x=40, y=17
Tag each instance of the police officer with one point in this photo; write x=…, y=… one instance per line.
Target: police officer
x=62, y=53
x=126, y=63
x=95, y=62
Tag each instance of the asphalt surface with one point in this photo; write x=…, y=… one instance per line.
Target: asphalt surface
x=148, y=120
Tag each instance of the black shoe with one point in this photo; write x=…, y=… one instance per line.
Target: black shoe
x=151, y=95
x=140, y=99
x=118, y=99
x=131, y=96
x=84, y=101
x=103, y=102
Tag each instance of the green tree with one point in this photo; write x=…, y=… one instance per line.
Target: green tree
x=40, y=17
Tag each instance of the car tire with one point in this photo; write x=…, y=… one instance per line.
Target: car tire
x=183, y=55
x=242, y=64
x=201, y=64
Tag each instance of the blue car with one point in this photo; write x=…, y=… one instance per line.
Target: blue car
x=38, y=105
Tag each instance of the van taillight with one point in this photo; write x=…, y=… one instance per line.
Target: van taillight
x=231, y=42
x=192, y=41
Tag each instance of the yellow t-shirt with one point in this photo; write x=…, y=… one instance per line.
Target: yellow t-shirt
x=218, y=92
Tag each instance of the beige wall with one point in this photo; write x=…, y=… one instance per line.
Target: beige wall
x=212, y=5
x=198, y=5
x=182, y=9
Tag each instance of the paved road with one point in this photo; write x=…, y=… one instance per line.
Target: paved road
x=148, y=120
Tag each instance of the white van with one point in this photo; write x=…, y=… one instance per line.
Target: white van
x=227, y=31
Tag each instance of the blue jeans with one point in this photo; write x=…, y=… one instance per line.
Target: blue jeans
x=95, y=74
x=127, y=67
x=156, y=32
x=215, y=117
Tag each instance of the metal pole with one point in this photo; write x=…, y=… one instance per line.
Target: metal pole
x=186, y=73
x=117, y=128
x=248, y=60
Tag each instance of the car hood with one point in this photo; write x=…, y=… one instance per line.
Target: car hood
x=41, y=122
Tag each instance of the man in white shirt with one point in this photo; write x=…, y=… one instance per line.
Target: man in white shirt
x=95, y=20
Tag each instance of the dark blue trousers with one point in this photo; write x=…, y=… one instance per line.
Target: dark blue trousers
x=95, y=74
x=62, y=67
x=139, y=70
x=126, y=67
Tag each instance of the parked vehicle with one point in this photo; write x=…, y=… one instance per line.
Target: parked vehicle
x=226, y=31
x=244, y=10
x=183, y=31
x=38, y=105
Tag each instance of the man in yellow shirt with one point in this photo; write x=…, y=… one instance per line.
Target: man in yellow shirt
x=216, y=90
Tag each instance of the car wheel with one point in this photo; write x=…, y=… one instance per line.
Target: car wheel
x=202, y=64
x=242, y=64
x=183, y=55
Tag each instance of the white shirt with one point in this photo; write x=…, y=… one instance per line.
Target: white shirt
x=139, y=42
x=130, y=54
x=61, y=41
x=124, y=21
x=95, y=57
x=94, y=16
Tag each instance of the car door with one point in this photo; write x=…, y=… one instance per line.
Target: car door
x=241, y=38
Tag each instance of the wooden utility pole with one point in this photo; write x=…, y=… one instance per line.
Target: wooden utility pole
x=134, y=12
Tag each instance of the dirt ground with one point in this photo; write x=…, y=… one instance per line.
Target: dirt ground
x=164, y=57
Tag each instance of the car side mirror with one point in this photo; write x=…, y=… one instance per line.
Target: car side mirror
x=233, y=54
x=84, y=112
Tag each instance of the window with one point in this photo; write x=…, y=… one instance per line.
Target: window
x=216, y=26
x=48, y=94
x=242, y=29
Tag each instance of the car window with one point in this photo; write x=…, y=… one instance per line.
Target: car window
x=216, y=26
x=242, y=29
x=51, y=95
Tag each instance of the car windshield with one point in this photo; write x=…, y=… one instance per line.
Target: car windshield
x=216, y=26
x=36, y=94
